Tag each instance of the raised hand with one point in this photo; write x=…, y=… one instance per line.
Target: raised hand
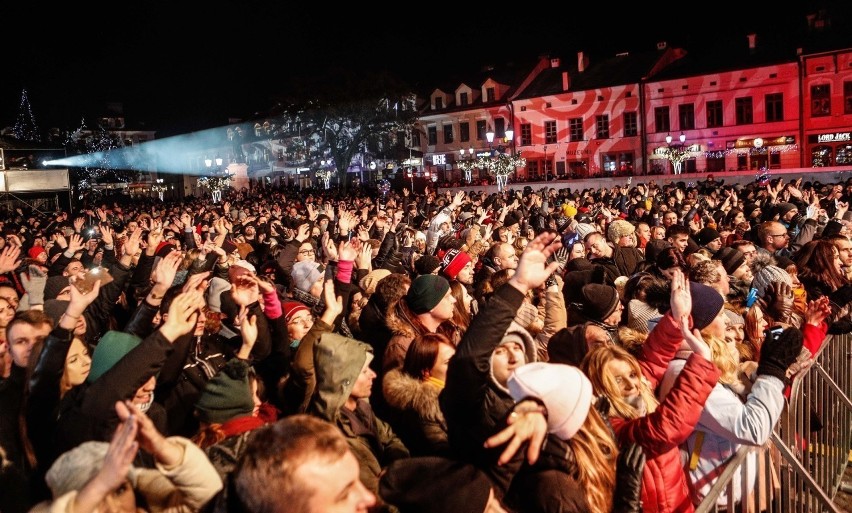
x=248, y=330
x=75, y=244
x=533, y=269
x=818, y=311
x=245, y=292
x=183, y=314
x=364, y=259
x=525, y=424
x=10, y=259
x=681, y=297
x=164, y=274
x=694, y=339
x=197, y=282
x=131, y=245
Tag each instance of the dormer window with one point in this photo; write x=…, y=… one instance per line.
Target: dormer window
x=463, y=99
x=490, y=95
x=439, y=103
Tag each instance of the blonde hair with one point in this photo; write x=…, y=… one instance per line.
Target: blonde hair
x=595, y=452
x=723, y=359
x=596, y=366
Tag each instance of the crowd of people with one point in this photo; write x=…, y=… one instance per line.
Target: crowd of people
x=601, y=350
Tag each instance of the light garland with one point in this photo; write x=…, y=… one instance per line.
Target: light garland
x=324, y=175
x=502, y=165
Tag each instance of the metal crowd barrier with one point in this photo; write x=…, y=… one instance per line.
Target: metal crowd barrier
x=801, y=467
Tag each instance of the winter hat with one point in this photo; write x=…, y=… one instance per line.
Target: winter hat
x=781, y=209
x=731, y=259
x=54, y=285
x=706, y=235
x=706, y=304
x=239, y=269
x=618, y=229
x=638, y=315
x=305, y=274
x=584, y=229
x=450, y=485
x=511, y=220
x=214, y=292
x=111, y=348
x=765, y=273
x=599, y=301
x=655, y=247
x=568, y=345
x=735, y=318
x=227, y=395
x=565, y=391
x=426, y=264
x=291, y=308
x=453, y=262
x=35, y=251
x=54, y=308
x=425, y=292
x=368, y=282
x=73, y=469
x=163, y=249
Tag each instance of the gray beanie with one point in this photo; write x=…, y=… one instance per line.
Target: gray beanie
x=73, y=469
x=766, y=272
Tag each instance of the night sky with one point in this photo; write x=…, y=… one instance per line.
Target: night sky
x=180, y=67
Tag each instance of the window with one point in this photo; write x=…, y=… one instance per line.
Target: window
x=489, y=94
x=463, y=99
x=602, y=126
x=550, y=132
x=631, y=125
x=439, y=103
x=820, y=100
x=662, y=123
x=714, y=114
x=774, y=107
x=715, y=162
x=575, y=129
x=745, y=114
x=464, y=131
x=432, y=134
x=526, y=134
x=499, y=128
x=686, y=116
x=847, y=97
x=532, y=168
x=480, y=130
x=844, y=155
x=448, y=134
x=415, y=138
x=617, y=164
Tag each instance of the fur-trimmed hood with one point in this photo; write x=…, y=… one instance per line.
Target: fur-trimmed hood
x=397, y=325
x=405, y=392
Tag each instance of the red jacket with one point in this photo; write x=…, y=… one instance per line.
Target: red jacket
x=664, y=482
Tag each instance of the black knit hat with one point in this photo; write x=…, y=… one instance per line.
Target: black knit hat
x=54, y=285
x=425, y=292
x=706, y=235
x=731, y=258
x=706, y=304
x=431, y=483
x=426, y=264
x=599, y=301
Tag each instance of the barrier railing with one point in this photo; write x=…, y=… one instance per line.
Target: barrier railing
x=801, y=468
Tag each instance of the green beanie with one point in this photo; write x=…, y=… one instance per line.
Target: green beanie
x=111, y=348
x=227, y=395
x=425, y=292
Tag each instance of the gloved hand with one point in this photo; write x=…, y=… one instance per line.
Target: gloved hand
x=34, y=284
x=628, y=480
x=779, y=302
x=779, y=351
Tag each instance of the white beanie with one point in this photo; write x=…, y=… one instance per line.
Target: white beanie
x=565, y=391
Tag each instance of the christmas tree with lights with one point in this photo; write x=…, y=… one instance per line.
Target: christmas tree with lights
x=25, y=128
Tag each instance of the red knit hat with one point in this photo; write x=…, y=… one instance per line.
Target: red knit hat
x=291, y=308
x=35, y=251
x=453, y=262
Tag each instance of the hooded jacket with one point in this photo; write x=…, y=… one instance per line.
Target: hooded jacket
x=475, y=405
x=660, y=433
x=338, y=361
x=415, y=413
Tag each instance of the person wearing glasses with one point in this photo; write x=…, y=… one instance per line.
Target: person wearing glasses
x=773, y=239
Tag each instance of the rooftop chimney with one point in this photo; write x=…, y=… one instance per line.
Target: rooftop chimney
x=554, y=62
x=582, y=62
x=566, y=81
x=662, y=45
x=752, y=42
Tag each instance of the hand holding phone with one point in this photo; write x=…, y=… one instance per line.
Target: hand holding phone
x=86, y=282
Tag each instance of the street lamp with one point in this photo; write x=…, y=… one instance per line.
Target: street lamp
x=676, y=153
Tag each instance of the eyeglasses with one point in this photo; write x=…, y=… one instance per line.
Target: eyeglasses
x=785, y=234
x=307, y=252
